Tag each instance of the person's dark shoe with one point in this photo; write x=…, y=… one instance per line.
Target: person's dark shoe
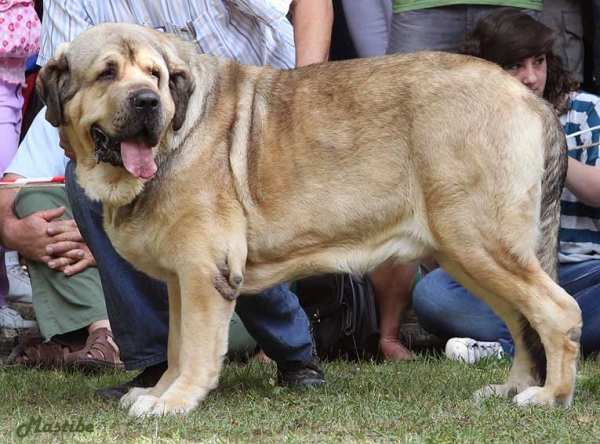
x=294, y=375
x=147, y=378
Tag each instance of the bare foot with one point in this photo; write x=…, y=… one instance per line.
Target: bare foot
x=260, y=357
x=393, y=350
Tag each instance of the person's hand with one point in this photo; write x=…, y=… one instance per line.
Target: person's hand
x=68, y=253
x=29, y=235
x=57, y=243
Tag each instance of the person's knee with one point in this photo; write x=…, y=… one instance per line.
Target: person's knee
x=427, y=288
x=428, y=300
x=32, y=200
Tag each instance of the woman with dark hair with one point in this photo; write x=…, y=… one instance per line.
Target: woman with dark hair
x=523, y=47
x=508, y=37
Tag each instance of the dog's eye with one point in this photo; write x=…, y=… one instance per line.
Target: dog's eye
x=107, y=74
x=155, y=73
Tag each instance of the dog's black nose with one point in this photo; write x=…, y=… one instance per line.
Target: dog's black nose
x=146, y=101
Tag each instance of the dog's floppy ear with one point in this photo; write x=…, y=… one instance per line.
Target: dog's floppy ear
x=53, y=85
x=181, y=84
x=177, y=54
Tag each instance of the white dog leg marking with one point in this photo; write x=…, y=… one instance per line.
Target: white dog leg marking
x=143, y=406
x=533, y=395
x=509, y=389
x=162, y=408
x=541, y=396
x=148, y=405
x=129, y=399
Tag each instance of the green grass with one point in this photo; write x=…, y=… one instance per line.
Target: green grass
x=427, y=400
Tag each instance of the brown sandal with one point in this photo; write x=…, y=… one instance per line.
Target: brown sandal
x=97, y=355
x=39, y=353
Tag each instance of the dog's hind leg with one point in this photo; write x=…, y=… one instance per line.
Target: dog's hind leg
x=525, y=297
x=202, y=338
x=523, y=372
x=559, y=327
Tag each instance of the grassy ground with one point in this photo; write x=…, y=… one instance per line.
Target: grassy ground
x=427, y=400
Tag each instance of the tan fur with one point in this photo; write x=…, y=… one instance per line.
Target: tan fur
x=279, y=174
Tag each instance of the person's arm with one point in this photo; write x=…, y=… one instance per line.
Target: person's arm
x=63, y=21
x=8, y=218
x=584, y=182
x=312, y=21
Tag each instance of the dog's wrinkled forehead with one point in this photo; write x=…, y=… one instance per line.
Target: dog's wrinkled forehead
x=96, y=44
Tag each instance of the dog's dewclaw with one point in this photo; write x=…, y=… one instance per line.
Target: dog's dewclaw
x=237, y=281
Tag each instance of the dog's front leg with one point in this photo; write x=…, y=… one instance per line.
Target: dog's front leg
x=172, y=372
x=202, y=342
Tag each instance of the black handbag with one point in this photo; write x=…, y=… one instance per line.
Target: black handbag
x=343, y=315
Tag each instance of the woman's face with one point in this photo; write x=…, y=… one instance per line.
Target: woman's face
x=531, y=72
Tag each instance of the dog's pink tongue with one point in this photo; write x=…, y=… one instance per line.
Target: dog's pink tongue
x=138, y=159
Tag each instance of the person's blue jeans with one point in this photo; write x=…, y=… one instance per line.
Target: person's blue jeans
x=369, y=25
x=444, y=28
x=138, y=308
x=446, y=309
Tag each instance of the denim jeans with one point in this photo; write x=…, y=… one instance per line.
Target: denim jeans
x=138, y=308
x=446, y=309
x=443, y=28
x=369, y=25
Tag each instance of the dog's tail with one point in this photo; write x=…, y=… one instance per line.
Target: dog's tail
x=553, y=179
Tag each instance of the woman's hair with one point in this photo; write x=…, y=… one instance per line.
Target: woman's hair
x=507, y=36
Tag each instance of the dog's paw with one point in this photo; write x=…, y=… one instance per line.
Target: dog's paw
x=129, y=399
x=148, y=405
x=500, y=390
x=143, y=406
x=541, y=396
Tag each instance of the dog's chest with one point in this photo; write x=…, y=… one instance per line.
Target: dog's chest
x=136, y=241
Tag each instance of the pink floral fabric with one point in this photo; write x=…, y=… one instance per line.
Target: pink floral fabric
x=19, y=38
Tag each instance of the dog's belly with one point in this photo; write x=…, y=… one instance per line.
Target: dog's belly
x=260, y=276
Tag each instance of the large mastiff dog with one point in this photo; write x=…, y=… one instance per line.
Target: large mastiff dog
x=221, y=178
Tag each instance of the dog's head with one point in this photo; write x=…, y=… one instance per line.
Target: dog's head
x=115, y=92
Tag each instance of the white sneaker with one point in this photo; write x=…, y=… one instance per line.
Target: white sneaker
x=10, y=318
x=471, y=351
x=19, y=283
